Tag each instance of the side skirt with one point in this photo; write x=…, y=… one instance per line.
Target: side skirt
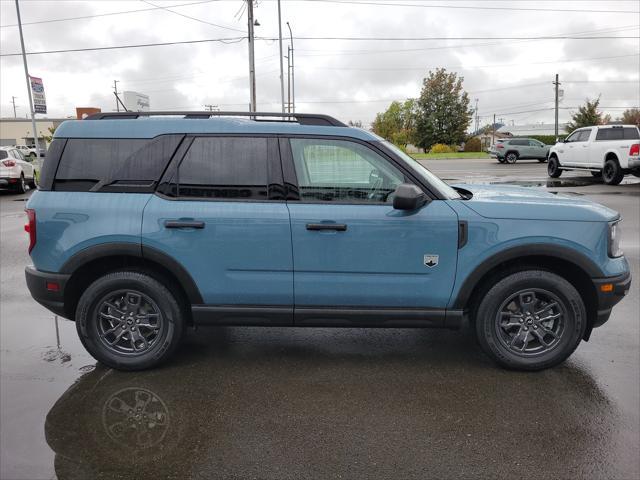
x=310, y=316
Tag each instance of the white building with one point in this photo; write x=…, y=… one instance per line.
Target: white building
x=531, y=129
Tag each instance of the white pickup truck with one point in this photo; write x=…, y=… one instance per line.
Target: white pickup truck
x=610, y=151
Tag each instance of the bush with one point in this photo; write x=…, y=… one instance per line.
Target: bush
x=473, y=145
x=441, y=148
x=547, y=139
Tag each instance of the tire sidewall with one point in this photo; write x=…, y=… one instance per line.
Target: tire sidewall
x=553, y=167
x=168, y=306
x=617, y=175
x=513, y=156
x=575, y=319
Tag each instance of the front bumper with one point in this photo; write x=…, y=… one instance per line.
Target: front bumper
x=42, y=289
x=616, y=288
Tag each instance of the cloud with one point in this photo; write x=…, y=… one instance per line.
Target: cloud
x=349, y=79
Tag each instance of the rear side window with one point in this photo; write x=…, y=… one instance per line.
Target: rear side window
x=3, y=154
x=519, y=142
x=610, y=134
x=631, y=133
x=233, y=168
x=111, y=163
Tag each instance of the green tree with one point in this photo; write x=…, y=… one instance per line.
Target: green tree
x=631, y=116
x=587, y=115
x=397, y=123
x=49, y=138
x=442, y=113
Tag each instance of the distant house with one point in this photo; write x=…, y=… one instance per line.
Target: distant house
x=531, y=129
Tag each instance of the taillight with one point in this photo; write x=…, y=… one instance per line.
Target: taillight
x=499, y=145
x=634, y=151
x=9, y=163
x=30, y=227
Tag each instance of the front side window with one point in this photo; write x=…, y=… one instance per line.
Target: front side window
x=573, y=137
x=584, y=135
x=343, y=171
x=231, y=168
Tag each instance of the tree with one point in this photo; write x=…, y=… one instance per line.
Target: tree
x=397, y=123
x=631, y=116
x=587, y=115
x=442, y=113
x=49, y=138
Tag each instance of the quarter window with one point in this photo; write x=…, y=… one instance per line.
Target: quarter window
x=342, y=171
x=224, y=168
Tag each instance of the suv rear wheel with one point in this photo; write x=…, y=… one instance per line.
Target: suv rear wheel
x=612, y=174
x=553, y=167
x=531, y=320
x=129, y=321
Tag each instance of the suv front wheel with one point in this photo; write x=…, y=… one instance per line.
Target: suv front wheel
x=129, y=321
x=531, y=320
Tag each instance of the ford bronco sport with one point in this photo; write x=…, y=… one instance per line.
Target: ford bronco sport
x=147, y=223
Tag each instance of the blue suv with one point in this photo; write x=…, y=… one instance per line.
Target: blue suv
x=146, y=224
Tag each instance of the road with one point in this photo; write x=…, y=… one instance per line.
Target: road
x=320, y=403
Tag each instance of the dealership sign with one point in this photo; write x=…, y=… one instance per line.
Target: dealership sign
x=37, y=90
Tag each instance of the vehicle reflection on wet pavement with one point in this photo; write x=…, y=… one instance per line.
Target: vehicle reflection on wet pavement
x=317, y=403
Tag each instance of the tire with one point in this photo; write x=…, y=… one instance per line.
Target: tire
x=501, y=160
x=511, y=157
x=111, y=304
x=597, y=174
x=34, y=181
x=553, y=167
x=515, y=340
x=612, y=174
x=21, y=186
x=32, y=155
x=542, y=160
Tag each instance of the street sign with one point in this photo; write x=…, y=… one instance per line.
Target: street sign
x=39, y=100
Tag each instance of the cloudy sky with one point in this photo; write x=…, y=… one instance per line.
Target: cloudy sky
x=353, y=57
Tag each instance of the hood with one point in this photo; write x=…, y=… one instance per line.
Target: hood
x=522, y=203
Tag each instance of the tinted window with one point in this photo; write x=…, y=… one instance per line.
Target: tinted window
x=224, y=167
x=573, y=137
x=631, y=133
x=519, y=142
x=338, y=170
x=86, y=162
x=610, y=134
x=3, y=154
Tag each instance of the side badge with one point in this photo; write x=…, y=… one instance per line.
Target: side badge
x=431, y=260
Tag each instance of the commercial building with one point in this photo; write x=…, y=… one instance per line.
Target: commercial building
x=19, y=131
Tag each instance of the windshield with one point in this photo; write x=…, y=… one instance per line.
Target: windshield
x=443, y=189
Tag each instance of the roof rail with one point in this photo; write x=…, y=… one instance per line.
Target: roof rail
x=301, y=118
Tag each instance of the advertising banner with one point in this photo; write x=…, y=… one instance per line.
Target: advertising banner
x=37, y=91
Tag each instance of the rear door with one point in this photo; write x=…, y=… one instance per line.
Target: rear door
x=351, y=249
x=221, y=214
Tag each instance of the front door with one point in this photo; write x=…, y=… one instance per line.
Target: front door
x=224, y=220
x=351, y=248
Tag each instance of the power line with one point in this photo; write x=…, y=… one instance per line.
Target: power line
x=470, y=7
x=139, y=45
x=193, y=18
x=84, y=17
x=420, y=39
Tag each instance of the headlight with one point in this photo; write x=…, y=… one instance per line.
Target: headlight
x=614, y=239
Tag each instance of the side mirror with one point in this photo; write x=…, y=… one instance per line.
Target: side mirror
x=408, y=197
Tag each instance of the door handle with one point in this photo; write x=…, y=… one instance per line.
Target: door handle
x=339, y=227
x=183, y=224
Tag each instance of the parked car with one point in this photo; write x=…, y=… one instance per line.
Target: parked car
x=607, y=151
x=16, y=170
x=143, y=228
x=513, y=149
x=30, y=150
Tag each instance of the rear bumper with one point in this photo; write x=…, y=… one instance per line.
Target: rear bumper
x=41, y=285
x=633, y=162
x=606, y=300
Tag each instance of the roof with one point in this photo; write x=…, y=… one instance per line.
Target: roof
x=149, y=127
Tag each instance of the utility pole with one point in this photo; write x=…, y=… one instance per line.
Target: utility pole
x=26, y=76
x=252, y=66
x=293, y=78
x=13, y=100
x=288, y=57
x=557, y=84
x=281, y=66
x=476, y=131
x=493, y=135
x=115, y=91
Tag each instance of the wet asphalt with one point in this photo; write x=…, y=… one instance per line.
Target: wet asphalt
x=281, y=403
